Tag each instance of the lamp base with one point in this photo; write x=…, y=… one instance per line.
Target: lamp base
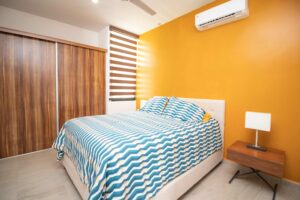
x=259, y=148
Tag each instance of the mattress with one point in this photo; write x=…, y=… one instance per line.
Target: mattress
x=134, y=155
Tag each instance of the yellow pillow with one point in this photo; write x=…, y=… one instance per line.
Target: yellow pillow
x=206, y=117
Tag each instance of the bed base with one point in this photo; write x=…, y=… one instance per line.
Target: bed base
x=173, y=190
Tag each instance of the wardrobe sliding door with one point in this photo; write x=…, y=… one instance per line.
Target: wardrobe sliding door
x=81, y=82
x=27, y=94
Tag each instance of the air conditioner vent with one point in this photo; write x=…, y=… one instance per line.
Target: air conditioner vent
x=222, y=14
x=217, y=19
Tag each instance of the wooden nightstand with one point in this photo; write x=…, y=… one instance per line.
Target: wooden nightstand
x=271, y=162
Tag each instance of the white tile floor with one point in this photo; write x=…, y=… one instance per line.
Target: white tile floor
x=215, y=186
x=38, y=176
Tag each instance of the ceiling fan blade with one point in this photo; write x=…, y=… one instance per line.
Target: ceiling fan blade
x=143, y=6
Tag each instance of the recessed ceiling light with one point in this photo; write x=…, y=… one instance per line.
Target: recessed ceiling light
x=95, y=1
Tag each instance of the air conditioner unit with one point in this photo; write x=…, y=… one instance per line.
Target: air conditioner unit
x=227, y=12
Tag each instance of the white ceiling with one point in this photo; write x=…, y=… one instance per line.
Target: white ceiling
x=122, y=14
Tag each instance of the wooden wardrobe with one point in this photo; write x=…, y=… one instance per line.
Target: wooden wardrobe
x=43, y=83
x=81, y=82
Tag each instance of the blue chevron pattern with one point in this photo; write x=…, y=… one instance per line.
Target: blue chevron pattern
x=182, y=110
x=133, y=155
x=155, y=105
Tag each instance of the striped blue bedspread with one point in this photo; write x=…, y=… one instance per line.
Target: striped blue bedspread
x=133, y=155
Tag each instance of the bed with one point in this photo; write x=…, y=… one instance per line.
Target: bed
x=155, y=181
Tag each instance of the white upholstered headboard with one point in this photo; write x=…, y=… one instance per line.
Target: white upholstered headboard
x=216, y=108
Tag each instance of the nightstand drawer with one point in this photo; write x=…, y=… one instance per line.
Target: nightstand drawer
x=256, y=163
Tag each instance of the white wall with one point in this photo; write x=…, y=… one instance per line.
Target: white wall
x=120, y=106
x=104, y=43
x=22, y=21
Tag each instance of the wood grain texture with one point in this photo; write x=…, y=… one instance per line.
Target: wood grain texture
x=272, y=161
x=81, y=75
x=27, y=94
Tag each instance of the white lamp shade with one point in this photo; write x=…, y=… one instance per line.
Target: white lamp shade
x=258, y=121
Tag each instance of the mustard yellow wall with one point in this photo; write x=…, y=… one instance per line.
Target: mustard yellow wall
x=253, y=64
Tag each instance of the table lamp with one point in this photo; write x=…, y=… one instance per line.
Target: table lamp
x=258, y=121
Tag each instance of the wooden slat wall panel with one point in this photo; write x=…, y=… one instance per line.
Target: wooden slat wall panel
x=27, y=94
x=122, y=51
x=122, y=57
x=122, y=81
x=122, y=63
x=122, y=38
x=122, y=87
x=123, y=45
x=122, y=69
x=81, y=74
x=122, y=75
x=122, y=93
x=112, y=28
